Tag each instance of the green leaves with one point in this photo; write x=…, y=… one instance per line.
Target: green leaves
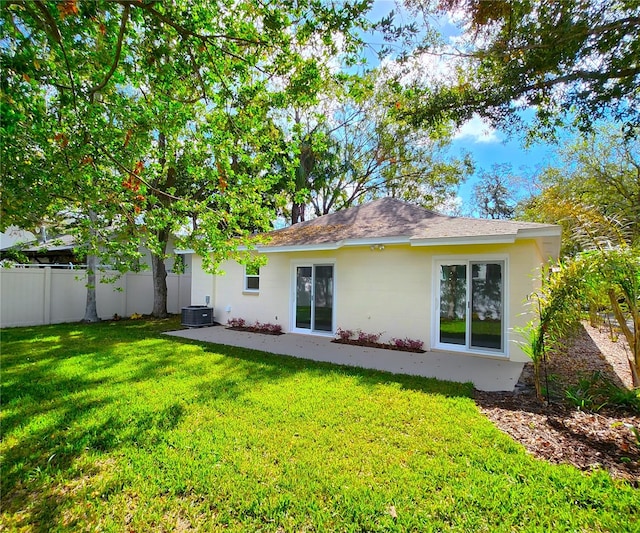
x=157, y=116
x=592, y=279
x=353, y=145
x=572, y=61
x=593, y=191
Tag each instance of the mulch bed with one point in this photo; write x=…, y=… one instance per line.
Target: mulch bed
x=356, y=342
x=561, y=433
x=252, y=329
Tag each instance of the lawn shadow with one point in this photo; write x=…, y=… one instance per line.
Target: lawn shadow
x=277, y=366
x=53, y=378
x=66, y=383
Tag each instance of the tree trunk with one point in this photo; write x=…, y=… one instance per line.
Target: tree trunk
x=305, y=167
x=91, y=310
x=297, y=213
x=635, y=347
x=160, y=278
x=633, y=337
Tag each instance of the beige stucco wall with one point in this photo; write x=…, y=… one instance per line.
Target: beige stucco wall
x=270, y=304
x=202, y=283
x=386, y=291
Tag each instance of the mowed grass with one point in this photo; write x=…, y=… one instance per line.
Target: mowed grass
x=115, y=427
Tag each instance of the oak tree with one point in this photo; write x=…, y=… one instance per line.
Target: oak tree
x=143, y=115
x=571, y=60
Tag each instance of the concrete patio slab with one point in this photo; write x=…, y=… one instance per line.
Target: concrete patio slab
x=487, y=374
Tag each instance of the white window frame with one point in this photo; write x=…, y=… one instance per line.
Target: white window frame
x=312, y=262
x=246, y=279
x=467, y=260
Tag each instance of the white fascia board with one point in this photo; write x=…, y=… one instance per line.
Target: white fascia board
x=294, y=248
x=455, y=241
x=553, y=231
x=333, y=245
x=379, y=240
x=184, y=252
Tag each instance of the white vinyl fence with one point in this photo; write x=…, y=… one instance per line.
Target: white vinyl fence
x=37, y=296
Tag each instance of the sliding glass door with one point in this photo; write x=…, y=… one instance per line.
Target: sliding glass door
x=314, y=298
x=470, y=305
x=453, y=304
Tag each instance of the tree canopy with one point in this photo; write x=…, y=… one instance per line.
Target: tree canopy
x=574, y=60
x=78, y=77
x=354, y=148
x=596, y=185
x=494, y=195
x=148, y=117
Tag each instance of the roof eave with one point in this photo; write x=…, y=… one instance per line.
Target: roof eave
x=266, y=249
x=548, y=239
x=465, y=239
x=546, y=231
x=345, y=243
x=549, y=234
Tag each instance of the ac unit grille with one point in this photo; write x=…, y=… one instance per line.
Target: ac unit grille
x=197, y=316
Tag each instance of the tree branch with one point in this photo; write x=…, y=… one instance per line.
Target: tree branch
x=129, y=171
x=116, y=59
x=185, y=32
x=54, y=32
x=583, y=75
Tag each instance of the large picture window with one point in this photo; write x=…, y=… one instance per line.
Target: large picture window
x=470, y=305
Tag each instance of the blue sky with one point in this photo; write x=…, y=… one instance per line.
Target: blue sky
x=490, y=147
x=487, y=146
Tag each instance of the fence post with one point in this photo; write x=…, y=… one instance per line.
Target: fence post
x=179, y=293
x=46, y=304
x=123, y=295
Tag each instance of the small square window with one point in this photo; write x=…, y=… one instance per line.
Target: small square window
x=252, y=278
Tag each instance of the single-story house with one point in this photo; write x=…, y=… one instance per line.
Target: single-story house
x=389, y=267
x=59, y=250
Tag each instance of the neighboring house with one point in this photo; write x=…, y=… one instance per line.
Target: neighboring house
x=54, y=251
x=43, y=248
x=458, y=284
x=46, y=249
x=14, y=235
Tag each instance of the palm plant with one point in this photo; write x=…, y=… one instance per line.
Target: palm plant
x=607, y=269
x=611, y=260
x=556, y=311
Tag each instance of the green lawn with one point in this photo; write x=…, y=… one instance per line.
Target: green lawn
x=114, y=427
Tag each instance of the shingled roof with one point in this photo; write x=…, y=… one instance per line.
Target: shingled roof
x=390, y=220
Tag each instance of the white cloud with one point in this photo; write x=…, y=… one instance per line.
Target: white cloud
x=435, y=67
x=450, y=206
x=478, y=131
